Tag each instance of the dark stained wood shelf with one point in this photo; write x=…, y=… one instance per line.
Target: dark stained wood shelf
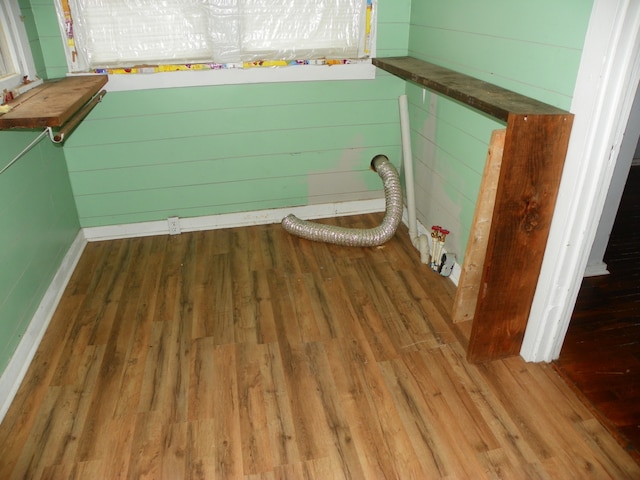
x=486, y=97
x=535, y=146
x=53, y=103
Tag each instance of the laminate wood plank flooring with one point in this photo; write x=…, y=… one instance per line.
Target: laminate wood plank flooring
x=252, y=354
x=601, y=352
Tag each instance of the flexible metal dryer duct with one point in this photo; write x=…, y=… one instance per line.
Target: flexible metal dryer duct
x=358, y=237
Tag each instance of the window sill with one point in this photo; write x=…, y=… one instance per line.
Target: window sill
x=302, y=73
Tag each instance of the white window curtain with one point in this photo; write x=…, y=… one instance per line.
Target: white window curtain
x=126, y=33
x=3, y=68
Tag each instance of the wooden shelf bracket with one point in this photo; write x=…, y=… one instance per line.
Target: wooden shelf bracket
x=74, y=121
x=62, y=104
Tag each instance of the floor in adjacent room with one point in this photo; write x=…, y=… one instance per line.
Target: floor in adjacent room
x=251, y=354
x=601, y=352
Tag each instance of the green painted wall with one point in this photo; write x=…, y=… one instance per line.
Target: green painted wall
x=533, y=48
x=38, y=217
x=39, y=222
x=147, y=155
x=50, y=45
x=34, y=38
x=210, y=150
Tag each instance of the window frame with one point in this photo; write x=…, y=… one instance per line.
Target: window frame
x=17, y=42
x=147, y=78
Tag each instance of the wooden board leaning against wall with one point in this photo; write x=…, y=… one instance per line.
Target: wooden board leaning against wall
x=464, y=305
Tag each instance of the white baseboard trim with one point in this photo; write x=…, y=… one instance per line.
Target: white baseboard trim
x=19, y=364
x=232, y=220
x=245, y=219
x=596, y=270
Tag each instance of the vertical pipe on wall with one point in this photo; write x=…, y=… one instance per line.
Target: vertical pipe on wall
x=420, y=242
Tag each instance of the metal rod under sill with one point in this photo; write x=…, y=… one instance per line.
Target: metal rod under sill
x=26, y=149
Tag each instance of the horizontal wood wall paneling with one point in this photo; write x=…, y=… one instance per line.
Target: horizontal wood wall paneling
x=560, y=24
x=189, y=99
x=454, y=138
x=148, y=160
x=451, y=112
x=160, y=161
x=190, y=195
x=396, y=12
x=449, y=143
x=332, y=139
x=227, y=121
x=221, y=170
x=41, y=10
x=40, y=223
x=392, y=29
x=540, y=82
x=395, y=37
x=186, y=196
x=450, y=174
x=157, y=204
x=248, y=182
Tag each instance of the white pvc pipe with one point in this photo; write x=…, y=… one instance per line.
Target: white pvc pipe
x=420, y=242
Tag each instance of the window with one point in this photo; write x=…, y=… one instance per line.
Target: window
x=16, y=62
x=121, y=37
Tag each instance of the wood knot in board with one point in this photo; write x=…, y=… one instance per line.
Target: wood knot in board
x=531, y=216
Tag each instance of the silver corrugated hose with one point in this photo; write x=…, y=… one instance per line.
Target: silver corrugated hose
x=358, y=237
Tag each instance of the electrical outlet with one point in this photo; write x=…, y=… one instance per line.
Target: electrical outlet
x=174, y=225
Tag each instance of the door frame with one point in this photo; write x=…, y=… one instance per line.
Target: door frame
x=605, y=89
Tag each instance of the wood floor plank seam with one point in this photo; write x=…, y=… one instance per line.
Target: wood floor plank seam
x=248, y=354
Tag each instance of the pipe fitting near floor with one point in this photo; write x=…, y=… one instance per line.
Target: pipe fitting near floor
x=358, y=237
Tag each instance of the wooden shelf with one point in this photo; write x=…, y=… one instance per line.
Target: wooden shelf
x=486, y=97
x=53, y=103
x=535, y=146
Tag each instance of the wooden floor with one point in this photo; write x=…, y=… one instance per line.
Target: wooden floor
x=601, y=352
x=251, y=354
